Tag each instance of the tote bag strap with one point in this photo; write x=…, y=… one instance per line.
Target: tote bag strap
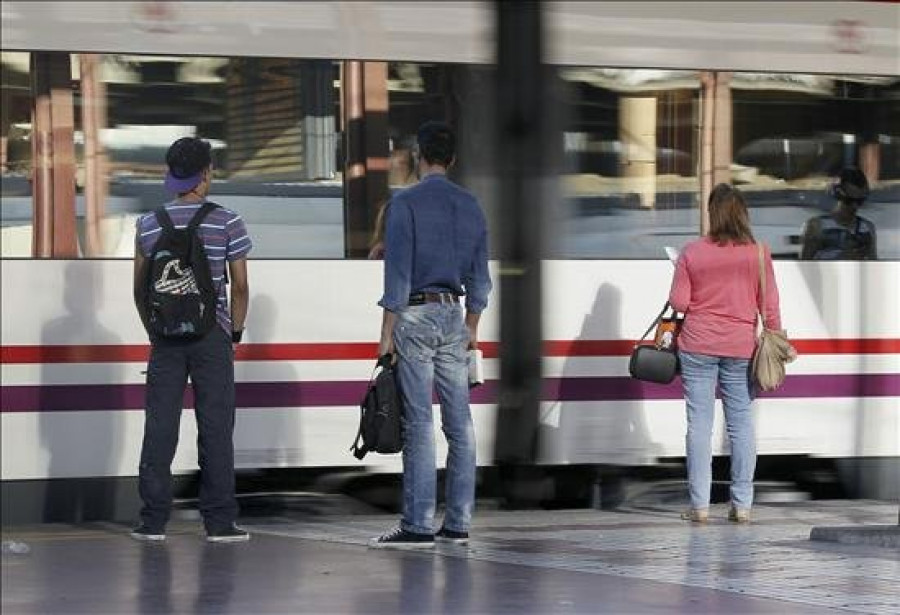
x=762, y=284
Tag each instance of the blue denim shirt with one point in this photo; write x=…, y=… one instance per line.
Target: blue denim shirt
x=435, y=240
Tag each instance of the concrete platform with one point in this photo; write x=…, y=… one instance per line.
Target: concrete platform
x=637, y=561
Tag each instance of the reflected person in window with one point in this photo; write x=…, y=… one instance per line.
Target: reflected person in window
x=376, y=243
x=842, y=234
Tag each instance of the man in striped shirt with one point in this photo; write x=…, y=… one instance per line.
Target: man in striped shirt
x=208, y=361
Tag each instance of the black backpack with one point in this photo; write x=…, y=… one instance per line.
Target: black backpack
x=381, y=414
x=179, y=296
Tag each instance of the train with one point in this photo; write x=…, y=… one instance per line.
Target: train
x=74, y=352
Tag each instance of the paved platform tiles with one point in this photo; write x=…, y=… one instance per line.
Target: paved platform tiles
x=637, y=561
x=887, y=536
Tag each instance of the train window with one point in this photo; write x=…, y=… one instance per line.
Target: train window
x=461, y=95
x=273, y=124
x=15, y=154
x=634, y=157
x=630, y=182
x=792, y=136
x=636, y=145
x=415, y=94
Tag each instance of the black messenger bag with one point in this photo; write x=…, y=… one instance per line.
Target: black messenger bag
x=381, y=414
x=650, y=364
x=657, y=362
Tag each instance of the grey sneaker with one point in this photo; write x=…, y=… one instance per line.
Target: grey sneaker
x=231, y=533
x=145, y=534
x=739, y=515
x=398, y=538
x=452, y=536
x=696, y=515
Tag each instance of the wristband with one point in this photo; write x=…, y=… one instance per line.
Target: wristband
x=236, y=336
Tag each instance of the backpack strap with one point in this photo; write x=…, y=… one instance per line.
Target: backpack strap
x=194, y=223
x=197, y=220
x=204, y=211
x=360, y=451
x=164, y=219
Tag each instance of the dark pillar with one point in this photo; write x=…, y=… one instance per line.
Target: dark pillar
x=365, y=121
x=471, y=101
x=53, y=156
x=317, y=95
x=522, y=142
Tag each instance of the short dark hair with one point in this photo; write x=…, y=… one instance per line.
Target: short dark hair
x=437, y=144
x=852, y=185
x=188, y=156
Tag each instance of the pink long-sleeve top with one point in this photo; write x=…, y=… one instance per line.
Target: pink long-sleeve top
x=717, y=289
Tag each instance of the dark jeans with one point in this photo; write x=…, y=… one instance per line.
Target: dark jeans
x=210, y=364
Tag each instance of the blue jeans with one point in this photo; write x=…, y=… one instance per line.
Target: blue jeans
x=699, y=375
x=431, y=341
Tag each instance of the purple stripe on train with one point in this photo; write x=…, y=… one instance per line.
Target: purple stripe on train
x=62, y=398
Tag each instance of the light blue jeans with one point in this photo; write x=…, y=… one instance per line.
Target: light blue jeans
x=431, y=341
x=699, y=375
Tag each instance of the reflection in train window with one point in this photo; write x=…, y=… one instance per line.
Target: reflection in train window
x=273, y=125
x=631, y=162
x=307, y=150
x=15, y=154
x=792, y=135
x=635, y=159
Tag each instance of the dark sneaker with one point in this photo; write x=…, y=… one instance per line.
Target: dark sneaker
x=145, y=534
x=399, y=538
x=451, y=536
x=231, y=533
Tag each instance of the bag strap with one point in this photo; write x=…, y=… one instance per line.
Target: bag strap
x=225, y=279
x=762, y=283
x=198, y=217
x=655, y=321
x=359, y=451
x=384, y=361
x=164, y=220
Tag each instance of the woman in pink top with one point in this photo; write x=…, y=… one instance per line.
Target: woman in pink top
x=716, y=286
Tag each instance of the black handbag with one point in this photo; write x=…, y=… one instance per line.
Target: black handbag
x=657, y=361
x=381, y=414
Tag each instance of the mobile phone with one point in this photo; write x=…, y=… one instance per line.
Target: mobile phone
x=476, y=367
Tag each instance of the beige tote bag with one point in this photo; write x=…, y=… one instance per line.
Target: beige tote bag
x=773, y=350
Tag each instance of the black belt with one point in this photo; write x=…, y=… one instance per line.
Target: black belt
x=422, y=298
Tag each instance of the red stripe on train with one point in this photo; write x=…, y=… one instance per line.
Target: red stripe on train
x=347, y=351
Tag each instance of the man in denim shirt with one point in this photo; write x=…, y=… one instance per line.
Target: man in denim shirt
x=435, y=253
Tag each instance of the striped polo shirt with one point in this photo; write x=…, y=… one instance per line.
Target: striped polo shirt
x=224, y=237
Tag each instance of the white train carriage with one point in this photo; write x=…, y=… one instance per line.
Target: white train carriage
x=74, y=359
x=73, y=351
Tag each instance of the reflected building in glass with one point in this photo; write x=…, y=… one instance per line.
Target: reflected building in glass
x=307, y=149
